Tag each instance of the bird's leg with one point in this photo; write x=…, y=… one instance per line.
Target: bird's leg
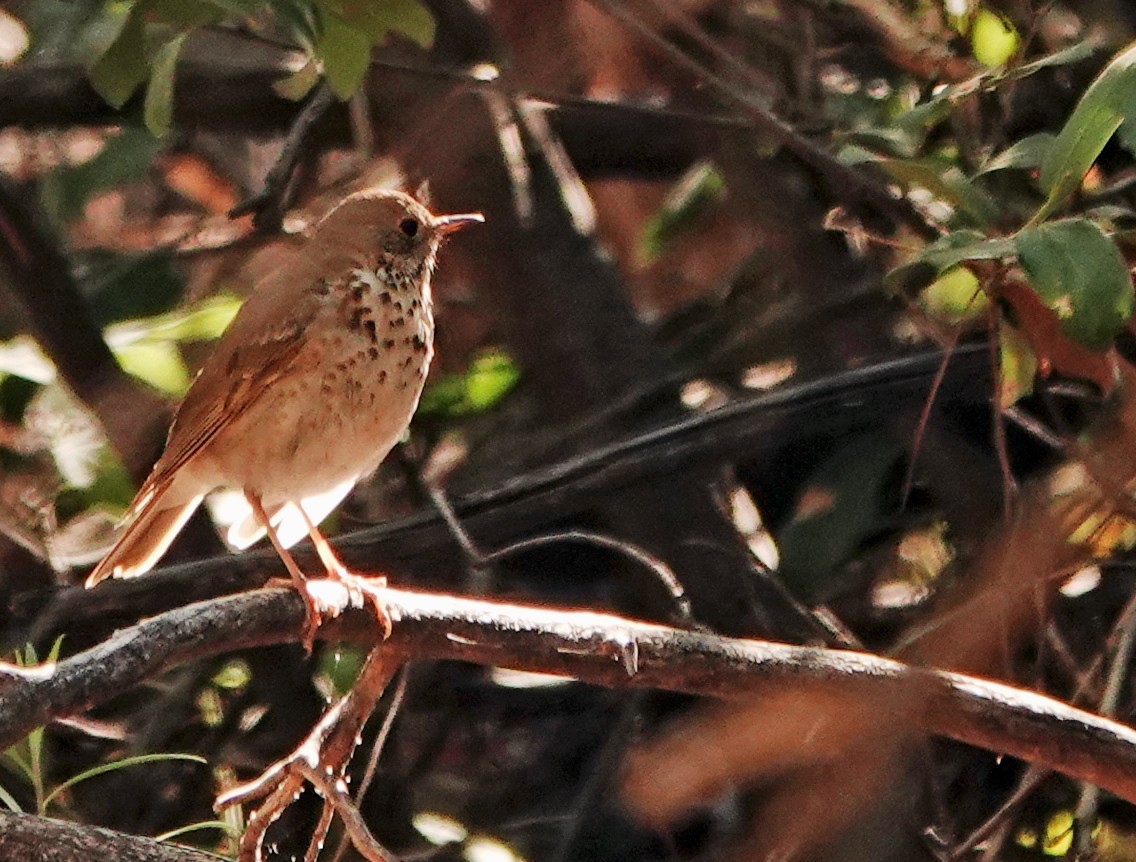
x=311, y=611
x=356, y=586
x=336, y=569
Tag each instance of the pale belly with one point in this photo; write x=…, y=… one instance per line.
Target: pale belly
x=332, y=425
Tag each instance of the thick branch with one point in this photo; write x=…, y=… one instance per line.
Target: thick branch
x=24, y=837
x=602, y=649
x=601, y=137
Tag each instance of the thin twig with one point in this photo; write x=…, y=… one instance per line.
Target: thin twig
x=271, y=202
x=1125, y=642
x=480, y=559
x=377, y=747
x=320, y=760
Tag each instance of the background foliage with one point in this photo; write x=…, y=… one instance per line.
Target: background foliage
x=811, y=301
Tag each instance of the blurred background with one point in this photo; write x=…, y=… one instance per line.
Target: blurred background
x=704, y=320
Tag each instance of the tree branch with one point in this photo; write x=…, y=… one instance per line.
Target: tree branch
x=602, y=649
x=24, y=837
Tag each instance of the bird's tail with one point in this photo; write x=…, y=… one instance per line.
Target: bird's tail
x=146, y=537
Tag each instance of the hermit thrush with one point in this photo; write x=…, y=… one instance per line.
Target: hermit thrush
x=307, y=390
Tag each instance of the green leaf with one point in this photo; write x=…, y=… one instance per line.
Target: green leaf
x=1026, y=154
x=1109, y=101
x=9, y=800
x=340, y=667
x=219, y=825
x=377, y=18
x=954, y=297
x=234, y=675
x=1017, y=365
x=202, y=321
x=345, y=53
x=110, y=483
x=123, y=67
x=298, y=84
x=490, y=378
x=993, y=39
x=157, y=363
x=160, y=94
x=1075, y=53
x=1080, y=274
x=688, y=199
x=946, y=252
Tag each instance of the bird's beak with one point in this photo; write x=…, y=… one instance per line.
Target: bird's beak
x=450, y=223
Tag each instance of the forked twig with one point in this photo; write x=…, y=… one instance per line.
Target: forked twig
x=321, y=761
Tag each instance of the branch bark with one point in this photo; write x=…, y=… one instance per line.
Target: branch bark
x=24, y=837
x=601, y=649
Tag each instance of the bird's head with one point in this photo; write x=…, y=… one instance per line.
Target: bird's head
x=389, y=223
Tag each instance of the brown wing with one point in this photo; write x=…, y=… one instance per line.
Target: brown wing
x=255, y=351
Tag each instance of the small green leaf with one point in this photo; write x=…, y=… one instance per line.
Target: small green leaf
x=1079, y=273
x=202, y=321
x=219, y=825
x=409, y=17
x=340, y=667
x=234, y=675
x=947, y=251
x=111, y=484
x=123, y=67
x=1075, y=53
x=1108, y=102
x=344, y=52
x=1017, y=365
x=840, y=506
x=993, y=39
x=9, y=800
x=160, y=94
x=299, y=83
x=1026, y=154
x=689, y=198
x=490, y=378
x=954, y=297
x=157, y=363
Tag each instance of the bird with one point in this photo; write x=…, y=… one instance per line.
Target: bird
x=307, y=390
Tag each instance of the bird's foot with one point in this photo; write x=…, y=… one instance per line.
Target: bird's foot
x=342, y=590
x=314, y=614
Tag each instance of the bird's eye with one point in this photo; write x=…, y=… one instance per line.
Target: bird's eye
x=408, y=226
